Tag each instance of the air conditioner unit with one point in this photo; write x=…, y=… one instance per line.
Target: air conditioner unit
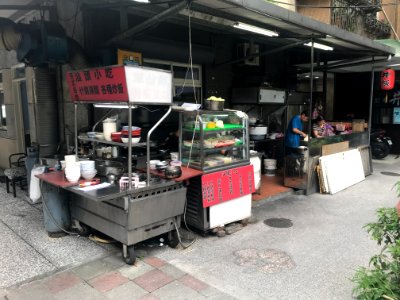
x=247, y=49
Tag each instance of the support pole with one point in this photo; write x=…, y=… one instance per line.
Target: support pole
x=311, y=86
x=371, y=99
x=148, y=142
x=76, y=128
x=130, y=145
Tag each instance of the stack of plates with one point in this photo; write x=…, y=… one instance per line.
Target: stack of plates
x=87, y=169
x=136, y=131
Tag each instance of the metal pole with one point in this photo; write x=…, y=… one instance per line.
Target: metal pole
x=130, y=145
x=311, y=86
x=148, y=142
x=76, y=128
x=371, y=99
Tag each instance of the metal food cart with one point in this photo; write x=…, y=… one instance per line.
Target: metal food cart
x=127, y=214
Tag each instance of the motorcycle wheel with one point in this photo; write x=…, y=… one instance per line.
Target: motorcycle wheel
x=380, y=150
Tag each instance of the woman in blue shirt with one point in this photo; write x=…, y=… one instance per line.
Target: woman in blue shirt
x=294, y=131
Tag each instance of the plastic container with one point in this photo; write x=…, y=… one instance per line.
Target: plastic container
x=109, y=126
x=269, y=167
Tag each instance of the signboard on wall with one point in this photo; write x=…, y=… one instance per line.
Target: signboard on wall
x=129, y=57
x=99, y=84
x=132, y=84
x=226, y=185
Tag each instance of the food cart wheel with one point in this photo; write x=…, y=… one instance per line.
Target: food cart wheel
x=129, y=256
x=173, y=239
x=84, y=230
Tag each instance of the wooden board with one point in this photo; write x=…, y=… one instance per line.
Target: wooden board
x=335, y=148
x=342, y=170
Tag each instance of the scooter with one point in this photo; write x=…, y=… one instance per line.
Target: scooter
x=380, y=144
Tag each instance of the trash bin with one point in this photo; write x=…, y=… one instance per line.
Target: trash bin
x=55, y=210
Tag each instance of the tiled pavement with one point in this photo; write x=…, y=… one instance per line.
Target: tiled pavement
x=111, y=278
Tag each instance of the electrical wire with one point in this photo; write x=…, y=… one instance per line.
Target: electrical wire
x=73, y=15
x=144, y=107
x=76, y=17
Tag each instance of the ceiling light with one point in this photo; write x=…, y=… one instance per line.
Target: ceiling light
x=103, y=105
x=319, y=46
x=142, y=1
x=255, y=29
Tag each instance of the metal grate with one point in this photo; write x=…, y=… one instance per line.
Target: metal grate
x=279, y=222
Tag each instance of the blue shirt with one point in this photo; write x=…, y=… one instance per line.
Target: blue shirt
x=292, y=139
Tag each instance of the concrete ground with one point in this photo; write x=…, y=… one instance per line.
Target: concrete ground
x=313, y=259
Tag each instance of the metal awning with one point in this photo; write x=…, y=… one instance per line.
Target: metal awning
x=293, y=27
x=218, y=16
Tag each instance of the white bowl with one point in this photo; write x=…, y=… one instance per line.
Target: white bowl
x=73, y=178
x=134, y=139
x=153, y=163
x=87, y=165
x=89, y=175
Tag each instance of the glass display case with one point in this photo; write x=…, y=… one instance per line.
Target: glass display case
x=213, y=140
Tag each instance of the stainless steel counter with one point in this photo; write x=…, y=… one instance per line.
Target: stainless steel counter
x=300, y=172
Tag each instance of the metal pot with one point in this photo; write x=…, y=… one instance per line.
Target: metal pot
x=173, y=172
x=213, y=105
x=105, y=167
x=258, y=129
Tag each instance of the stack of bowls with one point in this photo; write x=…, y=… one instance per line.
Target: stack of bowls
x=72, y=168
x=136, y=131
x=88, y=170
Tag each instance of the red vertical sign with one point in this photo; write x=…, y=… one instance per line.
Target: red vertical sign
x=99, y=84
x=227, y=185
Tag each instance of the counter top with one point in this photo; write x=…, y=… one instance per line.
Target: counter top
x=187, y=173
x=55, y=178
x=113, y=191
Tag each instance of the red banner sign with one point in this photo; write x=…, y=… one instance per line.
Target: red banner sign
x=100, y=84
x=226, y=185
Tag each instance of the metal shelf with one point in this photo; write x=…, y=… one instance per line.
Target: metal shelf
x=110, y=142
x=186, y=148
x=206, y=131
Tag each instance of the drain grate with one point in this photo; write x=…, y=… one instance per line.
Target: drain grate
x=278, y=222
x=390, y=173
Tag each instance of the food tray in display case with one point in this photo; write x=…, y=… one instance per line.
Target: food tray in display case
x=211, y=140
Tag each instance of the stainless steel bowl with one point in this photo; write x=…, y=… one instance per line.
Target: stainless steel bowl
x=214, y=105
x=105, y=167
x=173, y=172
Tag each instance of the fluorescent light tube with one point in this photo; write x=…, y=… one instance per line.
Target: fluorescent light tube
x=255, y=29
x=319, y=46
x=110, y=105
x=142, y=1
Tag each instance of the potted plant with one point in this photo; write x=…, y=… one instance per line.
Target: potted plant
x=382, y=279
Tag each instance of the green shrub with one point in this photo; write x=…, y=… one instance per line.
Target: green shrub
x=382, y=279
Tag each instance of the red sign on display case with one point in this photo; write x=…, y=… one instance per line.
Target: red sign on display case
x=100, y=84
x=227, y=185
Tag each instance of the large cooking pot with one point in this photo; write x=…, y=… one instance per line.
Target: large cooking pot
x=105, y=167
x=214, y=105
x=258, y=131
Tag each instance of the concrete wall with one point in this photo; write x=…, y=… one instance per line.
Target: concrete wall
x=393, y=15
x=320, y=14
x=290, y=4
